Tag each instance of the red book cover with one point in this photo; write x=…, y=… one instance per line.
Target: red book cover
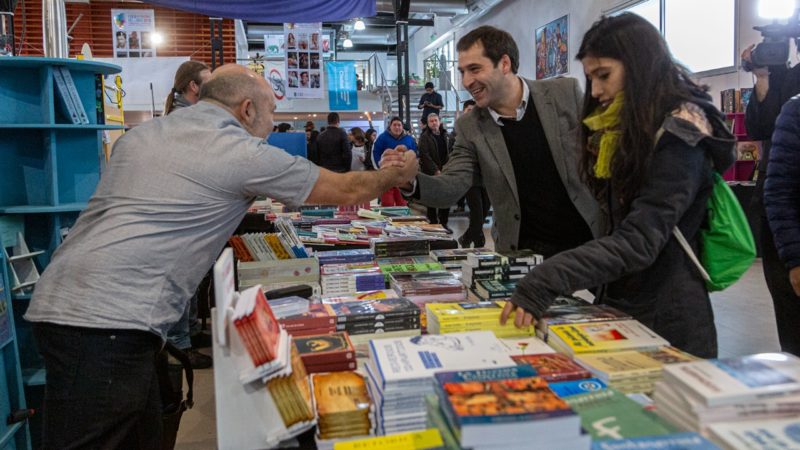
x=266, y=326
x=325, y=349
x=554, y=366
x=334, y=367
x=311, y=332
x=242, y=254
x=317, y=317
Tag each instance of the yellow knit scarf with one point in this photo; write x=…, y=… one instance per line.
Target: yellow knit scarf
x=605, y=139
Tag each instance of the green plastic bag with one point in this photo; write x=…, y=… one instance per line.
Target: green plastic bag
x=728, y=248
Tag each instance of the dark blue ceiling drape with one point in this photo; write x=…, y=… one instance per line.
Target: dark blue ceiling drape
x=276, y=11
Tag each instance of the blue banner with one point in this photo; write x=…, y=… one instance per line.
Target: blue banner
x=342, y=93
x=276, y=11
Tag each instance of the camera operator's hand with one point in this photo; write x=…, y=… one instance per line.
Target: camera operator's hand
x=747, y=55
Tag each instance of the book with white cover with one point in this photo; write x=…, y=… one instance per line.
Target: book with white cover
x=735, y=380
x=757, y=434
x=611, y=336
x=526, y=345
x=419, y=357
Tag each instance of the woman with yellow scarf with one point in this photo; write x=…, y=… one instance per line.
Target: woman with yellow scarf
x=653, y=140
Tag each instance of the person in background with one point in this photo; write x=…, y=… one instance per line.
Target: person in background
x=782, y=204
x=774, y=86
x=155, y=224
x=186, y=87
x=653, y=139
x=284, y=127
x=432, y=157
x=478, y=202
x=311, y=142
x=333, y=146
x=390, y=139
x=359, y=150
x=430, y=102
x=371, y=134
x=187, y=334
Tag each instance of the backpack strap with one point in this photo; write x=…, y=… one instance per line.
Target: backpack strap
x=689, y=252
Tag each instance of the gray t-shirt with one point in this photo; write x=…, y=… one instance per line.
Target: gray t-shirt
x=174, y=191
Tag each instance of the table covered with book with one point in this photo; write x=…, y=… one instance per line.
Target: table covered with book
x=400, y=346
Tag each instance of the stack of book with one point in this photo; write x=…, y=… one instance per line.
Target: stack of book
x=611, y=336
x=519, y=263
x=292, y=394
x=553, y=367
x=446, y=318
x=401, y=372
x=349, y=278
x=378, y=294
x=454, y=258
x=494, y=289
x=343, y=407
x=281, y=273
x=608, y=414
x=318, y=320
x=502, y=407
x=632, y=371
x=345, y=256
x=566, y=389
x=757, y=434
x=407, y=264
x=427, y=287
x=326, y=353
x=388, y=247
x=258, y=328
x=482, y=266
x=572, y=311
x=288, y=306
x=365, y=320
x=697, y=394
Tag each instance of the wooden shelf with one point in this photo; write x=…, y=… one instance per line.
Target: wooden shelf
x=43, y=209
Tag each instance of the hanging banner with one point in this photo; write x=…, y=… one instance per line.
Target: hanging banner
x=275, y=73
x=342, y=95
x=303, y=43
x=132, y=31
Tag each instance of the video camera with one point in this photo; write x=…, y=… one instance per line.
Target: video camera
x=774, y=49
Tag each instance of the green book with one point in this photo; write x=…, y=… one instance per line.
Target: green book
x=609, y=414
x=437, y=420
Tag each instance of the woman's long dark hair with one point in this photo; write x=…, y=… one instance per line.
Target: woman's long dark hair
x=654, y=85
x=187, y=72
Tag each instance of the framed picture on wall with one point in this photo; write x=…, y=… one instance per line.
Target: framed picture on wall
x=552, y=48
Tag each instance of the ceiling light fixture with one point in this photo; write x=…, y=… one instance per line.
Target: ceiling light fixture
x=347, y=43
x=156, y=39
x=359, y=25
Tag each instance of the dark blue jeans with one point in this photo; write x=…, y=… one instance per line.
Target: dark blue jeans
x=102, y=388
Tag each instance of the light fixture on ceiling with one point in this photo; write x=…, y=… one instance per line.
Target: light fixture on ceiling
x=359, y=25
x=347, y=43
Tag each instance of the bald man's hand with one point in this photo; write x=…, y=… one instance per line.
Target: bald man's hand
x=394, y=157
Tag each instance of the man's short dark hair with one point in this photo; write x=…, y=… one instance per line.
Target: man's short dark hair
x=333, y=118
x=429, y=85
x=395, y=119
x=495, y=42
x=467, y=103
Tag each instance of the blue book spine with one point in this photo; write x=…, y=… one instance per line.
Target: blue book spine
x=677, y=441
x=67, y=107
x=73, y=92
x=566, y=389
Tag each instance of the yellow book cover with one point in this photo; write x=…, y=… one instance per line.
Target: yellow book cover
x=606, y=336
x=456, y=312
x=276, y=246
x=631, y=364
x=340, y=393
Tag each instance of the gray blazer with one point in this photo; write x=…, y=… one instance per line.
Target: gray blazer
x=480, y=157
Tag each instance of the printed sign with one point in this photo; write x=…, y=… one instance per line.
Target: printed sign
x=133, y=30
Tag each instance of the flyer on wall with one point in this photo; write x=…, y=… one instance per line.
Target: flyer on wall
x=303, y=60
x=133, y=30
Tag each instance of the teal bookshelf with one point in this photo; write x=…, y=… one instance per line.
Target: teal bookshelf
x=49, y=168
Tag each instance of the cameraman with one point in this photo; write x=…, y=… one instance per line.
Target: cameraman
x=774, y=86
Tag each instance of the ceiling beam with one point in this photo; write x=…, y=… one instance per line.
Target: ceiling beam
x=383, y=21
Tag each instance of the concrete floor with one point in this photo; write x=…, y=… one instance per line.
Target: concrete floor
x=744, y=317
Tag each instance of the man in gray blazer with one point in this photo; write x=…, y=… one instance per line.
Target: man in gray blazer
x=521, y=144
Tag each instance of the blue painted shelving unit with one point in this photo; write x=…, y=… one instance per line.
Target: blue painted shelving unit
x=49, y=168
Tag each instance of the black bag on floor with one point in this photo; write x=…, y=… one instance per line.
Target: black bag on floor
x=170, y=382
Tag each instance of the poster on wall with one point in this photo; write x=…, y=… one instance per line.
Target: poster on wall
x=133, y=30
x=342, y=95
x=552, y=48
x=303, y=60
x=274, y=45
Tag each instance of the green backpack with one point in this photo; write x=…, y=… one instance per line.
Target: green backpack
x=727, y=245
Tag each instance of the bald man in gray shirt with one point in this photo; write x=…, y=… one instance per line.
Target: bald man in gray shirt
x=175, y=190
